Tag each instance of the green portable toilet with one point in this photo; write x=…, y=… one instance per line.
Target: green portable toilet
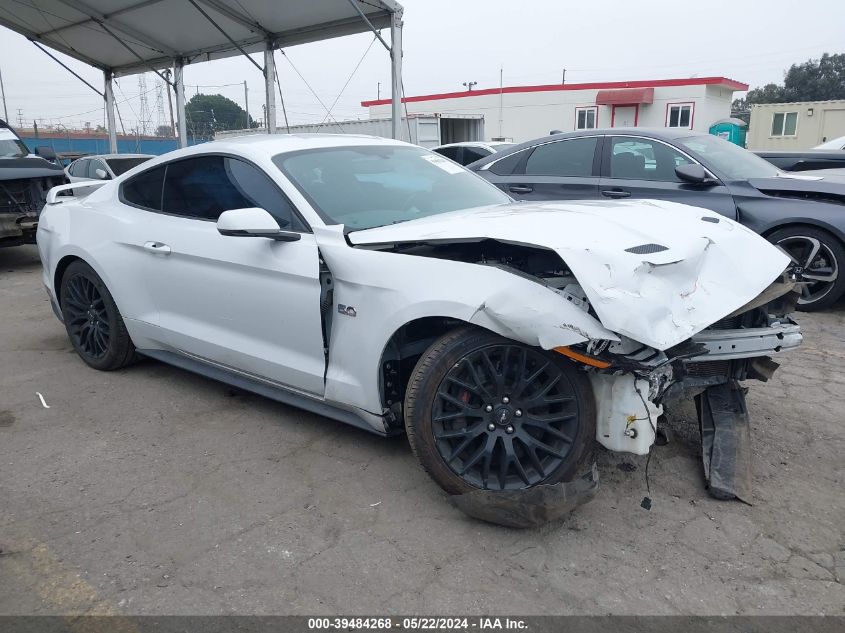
x=733, y=130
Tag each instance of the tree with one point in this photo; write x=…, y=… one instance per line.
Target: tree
x=741, y=110
x=207, y=114
x=164, y=130
x=814, y=80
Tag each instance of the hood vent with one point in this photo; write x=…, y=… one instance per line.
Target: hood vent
x=646, y=249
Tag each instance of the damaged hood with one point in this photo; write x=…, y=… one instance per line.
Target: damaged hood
x=655, y=271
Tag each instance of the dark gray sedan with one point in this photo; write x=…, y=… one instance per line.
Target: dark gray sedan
x=802, y=213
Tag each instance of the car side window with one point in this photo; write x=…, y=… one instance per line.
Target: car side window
x=93, y=166
x=644, y=159
x=205, y=186
x=507, y=166
x=572, y=157
x=79, y=168
x=449, y=152
x=472, y=154
x=144, y=190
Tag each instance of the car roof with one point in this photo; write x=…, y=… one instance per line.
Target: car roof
x=269, y=145
x=266, y=146
x=110, y=156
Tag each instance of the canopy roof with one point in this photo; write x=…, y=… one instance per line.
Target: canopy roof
x=131, y=36
x=625, y=96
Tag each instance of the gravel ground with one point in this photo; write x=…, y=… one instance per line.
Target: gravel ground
x=154, y=491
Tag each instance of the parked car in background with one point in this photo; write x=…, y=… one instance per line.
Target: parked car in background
x=471, y=151
x=804, y=160
x=381, y=284
x=835, y=143
x=25, y=179
x=803, y=214
x=103, y=166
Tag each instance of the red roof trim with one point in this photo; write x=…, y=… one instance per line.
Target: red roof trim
x=609, y=85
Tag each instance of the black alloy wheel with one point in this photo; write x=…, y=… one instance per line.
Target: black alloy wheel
x=86, y=317
x=501, y=416
x=92, y=320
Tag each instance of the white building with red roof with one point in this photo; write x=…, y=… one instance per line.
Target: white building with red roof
x=520, y=113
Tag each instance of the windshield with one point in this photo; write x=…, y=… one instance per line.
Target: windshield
x=369, y=186
x=122, y=165
x=734, y=162
x=10, y=145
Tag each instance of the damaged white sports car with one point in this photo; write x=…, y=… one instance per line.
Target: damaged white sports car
x=380, y=284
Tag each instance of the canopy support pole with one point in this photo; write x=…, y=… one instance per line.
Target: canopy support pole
x=179, y=85
x=269, y=93
x=109, y=98
x=396, y=72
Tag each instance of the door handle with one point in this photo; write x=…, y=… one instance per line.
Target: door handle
x=157, y=248
x=615, y=193
x=521, y=189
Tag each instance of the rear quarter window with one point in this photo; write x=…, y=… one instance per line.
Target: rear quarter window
x=507, y=165
x=144, y=190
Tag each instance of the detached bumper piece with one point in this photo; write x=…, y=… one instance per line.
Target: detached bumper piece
x=531, y=507
x=725, y=441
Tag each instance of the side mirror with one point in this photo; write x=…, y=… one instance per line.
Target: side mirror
x=45, y=152
x=693, y=173
x=253, y=222
x=101, y=174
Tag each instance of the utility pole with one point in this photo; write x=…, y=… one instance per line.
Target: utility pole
x=378, y=91
x=20, y=118
x=563, y=77
x=3, y=93
x=246, y=104
x=469, y=84
x=168, y=74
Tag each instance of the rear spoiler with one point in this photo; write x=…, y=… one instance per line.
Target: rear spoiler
x=52, y=195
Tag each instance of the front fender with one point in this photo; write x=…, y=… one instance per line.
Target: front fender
x=766, y=215
x=387, y=290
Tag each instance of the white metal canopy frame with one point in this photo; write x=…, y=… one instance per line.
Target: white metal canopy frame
x=123, y=37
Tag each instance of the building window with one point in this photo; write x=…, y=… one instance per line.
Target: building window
x=679, y=115
x=585, y=118
x=784, y=123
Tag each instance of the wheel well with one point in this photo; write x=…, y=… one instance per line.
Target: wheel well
x=401, y=354
x=61, y=267
x=795, y=225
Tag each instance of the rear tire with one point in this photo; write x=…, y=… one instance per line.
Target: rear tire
x=821, y=255
x=486, y=412
x=92, y=320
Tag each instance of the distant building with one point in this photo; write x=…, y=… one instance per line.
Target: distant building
x=800, y=125
x=520, y=113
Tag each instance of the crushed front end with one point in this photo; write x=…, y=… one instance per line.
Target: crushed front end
x=635, y=383
x=25, y=180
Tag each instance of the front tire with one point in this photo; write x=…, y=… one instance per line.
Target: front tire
x=821, y=256
x=485, y=412
x=92, y=320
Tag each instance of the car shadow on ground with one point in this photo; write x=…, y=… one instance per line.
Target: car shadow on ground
x=19, y=259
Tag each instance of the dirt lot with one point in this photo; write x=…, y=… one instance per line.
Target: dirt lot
x=154, y=491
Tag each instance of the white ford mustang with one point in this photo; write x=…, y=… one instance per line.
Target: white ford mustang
x=383, y=285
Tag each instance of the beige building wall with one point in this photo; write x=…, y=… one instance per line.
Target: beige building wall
x=817, y=121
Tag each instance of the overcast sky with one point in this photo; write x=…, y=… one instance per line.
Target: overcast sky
x=451, y=42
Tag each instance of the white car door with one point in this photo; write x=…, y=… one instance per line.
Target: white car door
x=248, y=303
